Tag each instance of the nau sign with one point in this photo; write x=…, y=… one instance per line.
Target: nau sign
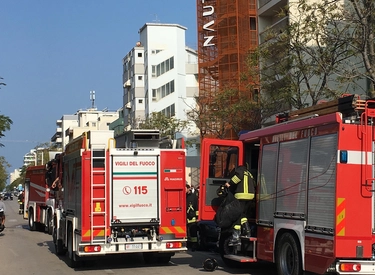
x=208, y=13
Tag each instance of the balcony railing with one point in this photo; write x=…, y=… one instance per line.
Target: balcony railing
x=263, y=2
x=272, y=30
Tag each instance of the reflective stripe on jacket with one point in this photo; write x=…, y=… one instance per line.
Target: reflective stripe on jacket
x=244, y=182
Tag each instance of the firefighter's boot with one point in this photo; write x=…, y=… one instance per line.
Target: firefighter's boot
x=246, y=230
x=235, y=238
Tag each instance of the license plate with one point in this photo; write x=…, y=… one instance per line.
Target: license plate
x=133, y=246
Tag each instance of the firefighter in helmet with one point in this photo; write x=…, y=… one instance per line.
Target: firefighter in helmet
x=192, y=216
x=242, y=185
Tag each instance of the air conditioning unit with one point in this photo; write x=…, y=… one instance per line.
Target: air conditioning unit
x=128, y=105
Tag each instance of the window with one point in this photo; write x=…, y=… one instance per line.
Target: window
x=139, y=77
x=140, y=101
x=158, y=70
x=253, y=23
x=171, y=61
x=139, y=54
x=153, y=71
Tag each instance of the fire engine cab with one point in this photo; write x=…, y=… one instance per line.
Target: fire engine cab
x=120, y=200
x=39, y=199
x=315, y=203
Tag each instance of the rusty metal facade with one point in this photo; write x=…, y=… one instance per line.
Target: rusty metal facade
x=227, y=31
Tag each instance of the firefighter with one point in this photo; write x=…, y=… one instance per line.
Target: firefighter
x=242, y=185
x=192, y=216
x=2, y=213
x=21, y=199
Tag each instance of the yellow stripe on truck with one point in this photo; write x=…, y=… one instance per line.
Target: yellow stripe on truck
x=340, y=218
x=171, y=229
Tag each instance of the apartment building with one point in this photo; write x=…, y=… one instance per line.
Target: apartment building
x=72, y=126
x=159, y=75
x=272, y=21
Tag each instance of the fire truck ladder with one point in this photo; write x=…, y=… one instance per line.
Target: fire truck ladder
x=368, y=119
x=98, y=218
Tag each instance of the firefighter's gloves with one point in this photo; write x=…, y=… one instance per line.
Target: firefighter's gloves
x=222, y=191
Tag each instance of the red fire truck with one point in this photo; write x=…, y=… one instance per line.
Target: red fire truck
x=120, y=200
x=315, y=203
x=39, y=203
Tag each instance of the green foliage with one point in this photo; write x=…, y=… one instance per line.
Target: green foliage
x=4, y=165
x=2, y=83
x=310, y=51
x=226, y=112
x=359, y=16
x=168, y=126
x=5, y=123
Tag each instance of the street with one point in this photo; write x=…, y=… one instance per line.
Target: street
x=26, y=252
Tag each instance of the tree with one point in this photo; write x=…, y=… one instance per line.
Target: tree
x=359, y=16
x=4, y=165
x=310, y=52
x=5, y=121
x=2, y=83
x=226, y=113
x=168, y=126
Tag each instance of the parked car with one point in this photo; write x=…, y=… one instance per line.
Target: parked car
x=8, y=195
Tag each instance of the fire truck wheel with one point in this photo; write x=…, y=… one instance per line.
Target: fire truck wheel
x=32, y=225
x=225, y=249
x=49, y=222
x=164, y=258
x=157, y=258
x=149, y=257
x=72, y=258
x=59, y=249
x=288, y=257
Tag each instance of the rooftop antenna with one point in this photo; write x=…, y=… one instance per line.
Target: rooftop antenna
x=92, y=98
x=156, y=18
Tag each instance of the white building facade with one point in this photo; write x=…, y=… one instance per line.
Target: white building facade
x=271, y=20
x=159, y=75
x=72, y=126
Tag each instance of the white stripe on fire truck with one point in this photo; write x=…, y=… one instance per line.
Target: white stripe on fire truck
x=41, y=188
x=356, y=157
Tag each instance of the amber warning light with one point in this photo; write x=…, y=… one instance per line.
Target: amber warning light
x=350, y=267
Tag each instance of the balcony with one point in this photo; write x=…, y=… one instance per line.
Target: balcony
x=269, y=33
x=271, y=7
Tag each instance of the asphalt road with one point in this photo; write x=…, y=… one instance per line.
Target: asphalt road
x=26, y=252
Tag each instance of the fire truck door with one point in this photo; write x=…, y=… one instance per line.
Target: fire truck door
x=135, y=188
x=218, y=158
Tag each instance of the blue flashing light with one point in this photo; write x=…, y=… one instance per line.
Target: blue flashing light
x=343, y=156
x=173, y=222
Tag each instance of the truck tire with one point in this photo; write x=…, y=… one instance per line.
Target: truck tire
x=288, y=257
x=72, y=258
x=157, y=258
x=149, y=257
x=59, y=249
x=49, y=222
x=32, y=225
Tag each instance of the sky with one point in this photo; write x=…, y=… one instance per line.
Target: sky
x=53, y=53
